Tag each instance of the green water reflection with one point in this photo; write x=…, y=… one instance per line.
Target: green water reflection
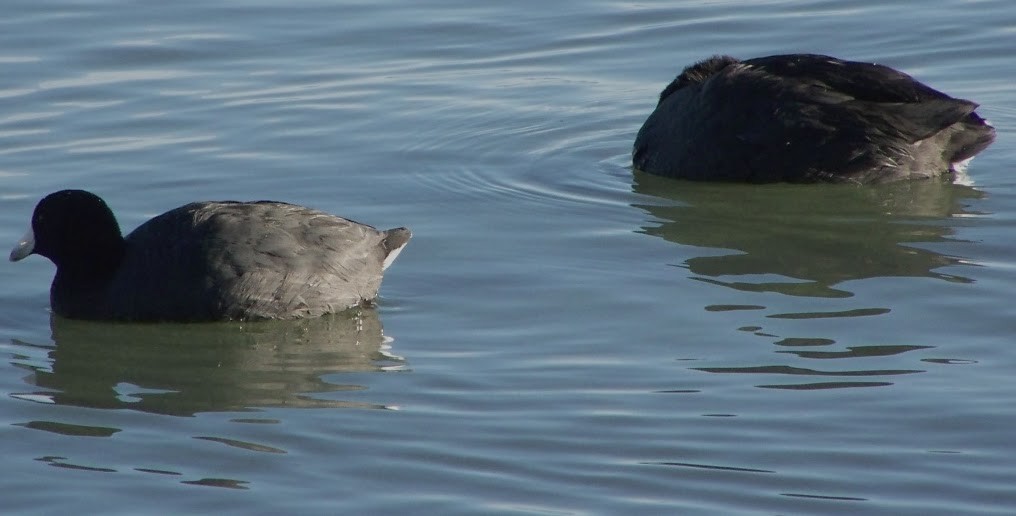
x=184, y=369
x=805, y=240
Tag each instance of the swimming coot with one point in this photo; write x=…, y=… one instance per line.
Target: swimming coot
x=805, y=118
x=206, y=260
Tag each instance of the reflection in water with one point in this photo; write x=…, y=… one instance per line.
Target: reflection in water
x=851, y=352
x=69, y=429
x=218, y=482
x=859, y=351
x=183, y=369
x=807, y=386
x=58, y=462
x=805, y=240
x=709, y=466
x=243, y=444
x=816, y=235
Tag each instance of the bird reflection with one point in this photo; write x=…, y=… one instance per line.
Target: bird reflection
x=184, y=369
x=804, y=240
x=808, y=241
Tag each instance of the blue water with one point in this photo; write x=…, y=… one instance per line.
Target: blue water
x=561, y=336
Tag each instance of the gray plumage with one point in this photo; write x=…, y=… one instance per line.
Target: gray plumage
x=805, y=118
x=207, y=260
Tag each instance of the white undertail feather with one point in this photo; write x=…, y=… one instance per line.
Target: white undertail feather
x=392, y=255
x=961, y=177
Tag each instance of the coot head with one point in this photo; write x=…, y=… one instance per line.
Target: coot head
x=74, y=229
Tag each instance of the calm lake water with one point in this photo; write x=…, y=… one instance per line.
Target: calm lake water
x=561, y=336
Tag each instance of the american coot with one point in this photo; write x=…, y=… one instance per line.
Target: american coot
x=206, y=260
x=805, y=118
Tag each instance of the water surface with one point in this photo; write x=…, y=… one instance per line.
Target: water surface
x=562, y=336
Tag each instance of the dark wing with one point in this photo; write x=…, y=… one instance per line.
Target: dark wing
x=861, y=81
x=235, y=260
x=292, y=261
x=824, y=119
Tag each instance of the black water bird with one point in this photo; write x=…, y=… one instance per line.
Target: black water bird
x=206, y=260
x=805, y=118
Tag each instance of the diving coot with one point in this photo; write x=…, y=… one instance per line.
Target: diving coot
x=805, y=118
x=206, y=260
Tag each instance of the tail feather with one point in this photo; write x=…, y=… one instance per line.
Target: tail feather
x=917, y=121
x=393, y=242
x=973, y=135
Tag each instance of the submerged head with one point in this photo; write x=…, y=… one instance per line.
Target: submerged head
x=67, y=225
